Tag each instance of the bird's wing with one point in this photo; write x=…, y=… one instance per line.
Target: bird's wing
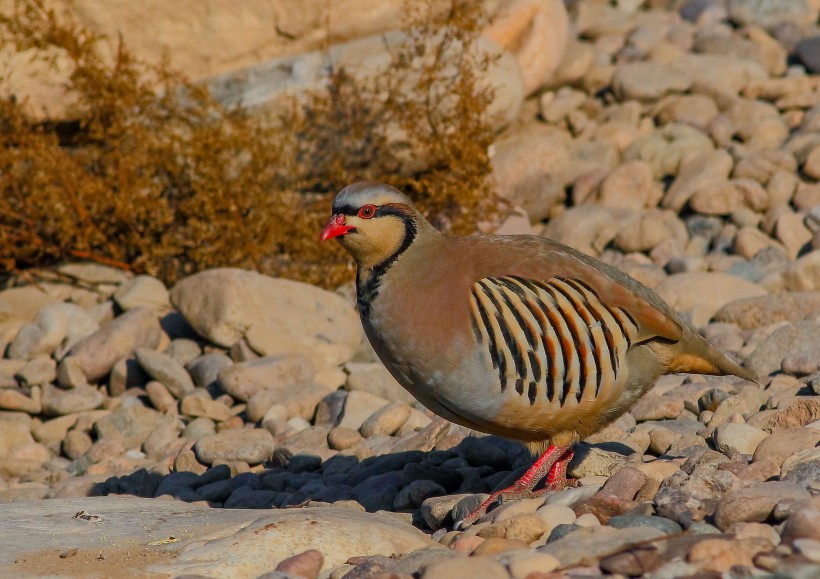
x=539, y=261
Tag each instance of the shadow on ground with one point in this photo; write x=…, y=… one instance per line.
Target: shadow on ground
x=397, y=482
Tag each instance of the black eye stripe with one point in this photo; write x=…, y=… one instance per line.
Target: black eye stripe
x=345, y=210
x=399, y=210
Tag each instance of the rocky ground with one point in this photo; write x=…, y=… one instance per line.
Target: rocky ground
x=682, y=146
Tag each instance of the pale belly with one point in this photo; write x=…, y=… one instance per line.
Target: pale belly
x=466, y=389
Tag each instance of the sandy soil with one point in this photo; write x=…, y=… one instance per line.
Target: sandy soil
x=130, y=561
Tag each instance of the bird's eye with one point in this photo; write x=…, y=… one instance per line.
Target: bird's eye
x=367, y=211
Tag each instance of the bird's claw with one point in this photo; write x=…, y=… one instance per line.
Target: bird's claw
x=479, y=512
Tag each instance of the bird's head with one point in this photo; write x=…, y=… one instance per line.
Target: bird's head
x=373, y=222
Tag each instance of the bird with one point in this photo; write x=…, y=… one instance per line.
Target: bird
x=518, y=336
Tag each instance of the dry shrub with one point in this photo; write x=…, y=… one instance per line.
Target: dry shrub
x=152, y=174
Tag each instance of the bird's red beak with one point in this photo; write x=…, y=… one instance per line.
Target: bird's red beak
x=335, y=228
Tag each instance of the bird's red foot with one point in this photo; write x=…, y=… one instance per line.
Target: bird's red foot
x=551, y=467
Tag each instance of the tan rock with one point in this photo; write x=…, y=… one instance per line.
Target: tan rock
x=23, y=303
x=804, y=274
x=738, y=437
x=750, y=240
x=646, y=232
x=719, y=75
x=766, y=310
x=277, y=316
x=481, y=568
x=649, y=81
x=721, y=554
x=724, y=198
x=811, y=166
x=799, y=412
x=692, y=109
x=704, y=170
x=375, y=378
x=755, y=503
x=306, y=564
x=554, y=106
x=804, y=523
x=15, y=400
x=340, y=438
x=536, y=32
x=297, y=399
x=587, y=546
x=588, y=228
x=702, y=294
x=218, y=37
x=386, y=420
x=780, y=445
x=244, y=380
x=576, y=62
x=491, y=547
x=522, y=565
x=762, y=164
x=791, y=230
x=781, y=188
x=524, y=527
x=528, y=168
x=197, y=405
x=770, y=53
x=630, y=186
x=253, y=446
x=359, y=406
x=97, y=354
x=807, y=196
x=666, y=147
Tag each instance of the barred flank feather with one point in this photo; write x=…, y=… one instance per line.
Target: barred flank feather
x=552, y=339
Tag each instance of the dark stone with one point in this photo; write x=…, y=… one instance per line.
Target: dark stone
x=484, y=451
x=705, y=226
x=140, y=483
x=635, y=562
x=661, y=523
x=216, y=491
x=176, y=326
x=329, y=410
x=449, y=479
x=367, y=567
x=711, y=399
x=205, y=370
x=378, y=492
x=246, y=479
x=212, y=475
x=504, y=478
x=561, y=531
x=339, y=466
x=806, y=474
x=173, y=483
x=681, y=507
x=692, y=10
x=377, y=465
x=247, y=498
x=808, y=52
x=467, y=505
x=304, y=463
x=472, y=483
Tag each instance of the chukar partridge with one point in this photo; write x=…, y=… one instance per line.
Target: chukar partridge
x=517, y=336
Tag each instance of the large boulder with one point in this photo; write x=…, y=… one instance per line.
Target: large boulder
x=257, y=41
x=216, y=542
x=276, y=316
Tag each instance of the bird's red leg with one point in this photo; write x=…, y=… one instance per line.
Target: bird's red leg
x=557, y=476
x=552, y=464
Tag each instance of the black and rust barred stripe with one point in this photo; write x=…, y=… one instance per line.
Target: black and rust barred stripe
x=554, y=339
